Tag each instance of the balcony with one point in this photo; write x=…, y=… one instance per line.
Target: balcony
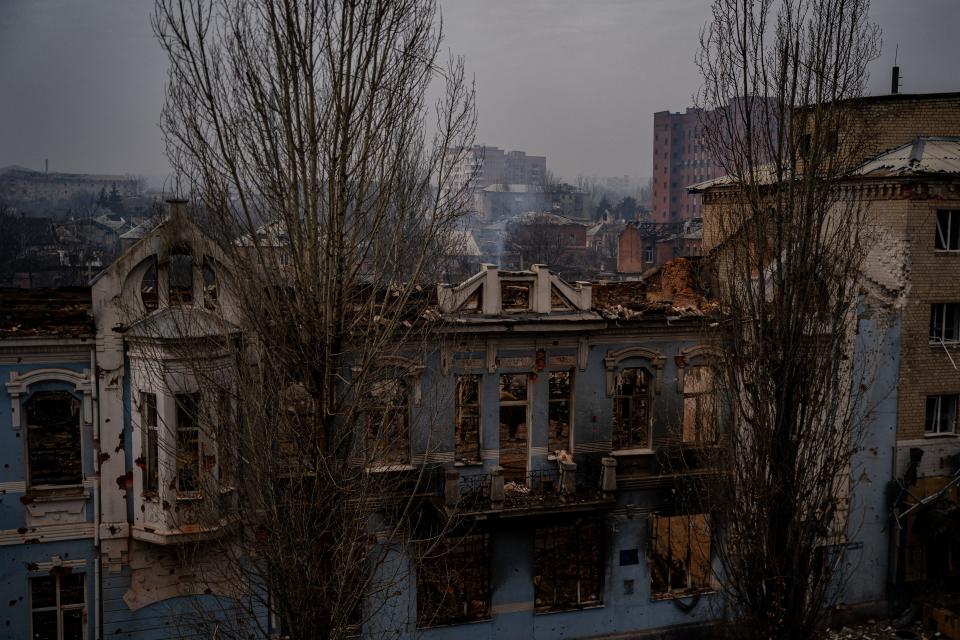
x=570, y=486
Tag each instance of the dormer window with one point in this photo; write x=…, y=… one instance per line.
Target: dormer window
x=180, y=277
x=515, y=296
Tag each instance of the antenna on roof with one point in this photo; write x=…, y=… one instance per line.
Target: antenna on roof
x=895, y=79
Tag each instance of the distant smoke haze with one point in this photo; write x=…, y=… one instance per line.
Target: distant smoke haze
x=82, y=81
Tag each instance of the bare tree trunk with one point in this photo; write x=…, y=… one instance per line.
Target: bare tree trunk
x=787, y=242
x=298, y=127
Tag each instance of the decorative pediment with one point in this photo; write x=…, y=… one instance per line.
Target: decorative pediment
x=493, y=292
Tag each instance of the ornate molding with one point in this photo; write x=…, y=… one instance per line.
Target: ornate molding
x=616, y=356
x=20, y=384
x=696, y=352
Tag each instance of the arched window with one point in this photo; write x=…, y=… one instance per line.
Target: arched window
x=53, y=439
x=388, y=422
x=631, y=409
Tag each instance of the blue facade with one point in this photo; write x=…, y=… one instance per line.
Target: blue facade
x=48, y=561
x=587, y=496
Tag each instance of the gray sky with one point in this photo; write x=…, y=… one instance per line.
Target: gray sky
x=81, y=81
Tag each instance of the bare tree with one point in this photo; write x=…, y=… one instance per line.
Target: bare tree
x=298, y=128
x=781, y=78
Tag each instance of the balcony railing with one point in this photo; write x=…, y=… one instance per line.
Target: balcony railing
x=591, y=479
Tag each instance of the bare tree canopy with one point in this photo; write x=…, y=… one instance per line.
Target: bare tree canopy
x=299, y=130
x=781, y=78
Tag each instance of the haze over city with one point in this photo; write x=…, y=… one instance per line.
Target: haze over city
x=575, y=81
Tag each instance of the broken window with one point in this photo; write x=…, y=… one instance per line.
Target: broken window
x=699, y=405
x=388, y=423
x=58, y=607
x=468, y=419
x=180, y=277
x=53, y=439
x=148, y=426
x=631, y=397
x=515, y=296
x=453, y=580
x=558, y=436
x=679, y=555
x=945, y=322
x=513, y=426
x=948, y=231
x=210, y=288
x=568, y=566
x=188, y=443
x=148, y=285
x=941, y=415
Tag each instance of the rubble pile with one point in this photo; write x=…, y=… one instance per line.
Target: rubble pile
x=882, y=630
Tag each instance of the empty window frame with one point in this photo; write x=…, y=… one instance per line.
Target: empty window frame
x=53, y=439
x=568, y=566
x=58, y=606
x=944, y=322
x=467, y=426
x=941, y=415
x=211, y=289
x=388, y=423
x=558, y=418
x=948, y=231
x=188, y=443
x=180, y=275
x=515, y=296
x=148, y=285
x=699, y=405
x=679, y=555
x=453, y=580
x=150, y=449
x=631, y=410
x=513, y=425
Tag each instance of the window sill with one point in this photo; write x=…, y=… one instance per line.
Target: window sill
x=680, y=595
x=945, y=434
x=458, y=464
x=946, y=252
x=445, y=625
x=189, y=497
x=585, y=607
x=387, y=468
x=48, y=493
x=945, y=343
x=632, y=452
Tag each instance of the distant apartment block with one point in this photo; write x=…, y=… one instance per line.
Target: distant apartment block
x=680, y=159
x=483, y=166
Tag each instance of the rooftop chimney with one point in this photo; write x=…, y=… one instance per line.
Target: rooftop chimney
x=895, y=80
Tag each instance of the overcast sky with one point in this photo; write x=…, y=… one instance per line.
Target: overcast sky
x=81, y=81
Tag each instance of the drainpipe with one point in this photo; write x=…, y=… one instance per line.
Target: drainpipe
x=95, y=400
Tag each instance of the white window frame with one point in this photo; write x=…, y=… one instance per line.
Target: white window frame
x=941, y=309
x=59, y=608
x=937, y=411
x=942, y=236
